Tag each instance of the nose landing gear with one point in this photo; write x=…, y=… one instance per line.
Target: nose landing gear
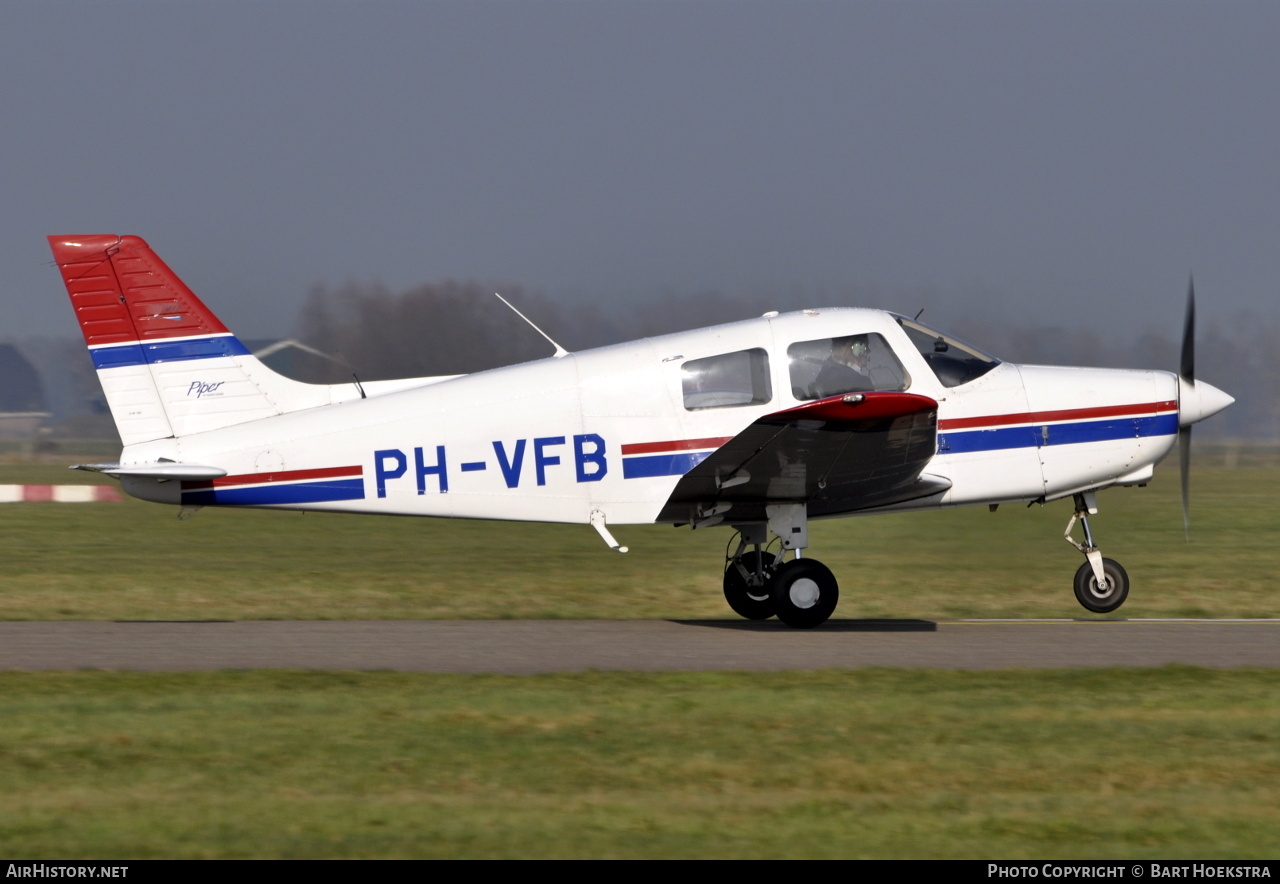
x=1101, y=585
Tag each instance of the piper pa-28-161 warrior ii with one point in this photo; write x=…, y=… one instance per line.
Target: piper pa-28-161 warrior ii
x=760, y=425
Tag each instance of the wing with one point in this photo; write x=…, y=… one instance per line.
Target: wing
x=837, y=455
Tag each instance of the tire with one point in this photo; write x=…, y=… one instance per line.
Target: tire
x=752, y=602
x=1106, y=599
x=804, y=593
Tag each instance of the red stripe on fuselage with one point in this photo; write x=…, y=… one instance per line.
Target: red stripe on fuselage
x=1067, y=414
x=678, y=445
x=279, y=476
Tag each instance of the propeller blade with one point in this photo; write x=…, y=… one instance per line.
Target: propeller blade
x=1188, y=370
x=1184, y=463
x=1187, y=382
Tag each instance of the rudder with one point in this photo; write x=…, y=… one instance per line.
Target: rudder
x=167, y=364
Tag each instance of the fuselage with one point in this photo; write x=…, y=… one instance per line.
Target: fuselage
x=613, y=429
x=760, y=425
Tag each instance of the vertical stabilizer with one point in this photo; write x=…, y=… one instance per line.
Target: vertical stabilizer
x=168, y=366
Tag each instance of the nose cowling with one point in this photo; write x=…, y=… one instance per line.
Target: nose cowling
x=1198, y=400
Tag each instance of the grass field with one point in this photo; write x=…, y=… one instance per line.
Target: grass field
x=135, y=560
x=1162, y=764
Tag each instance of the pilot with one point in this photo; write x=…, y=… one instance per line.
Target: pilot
x=846, y=371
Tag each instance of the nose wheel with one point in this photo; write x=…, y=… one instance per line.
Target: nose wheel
x=1101, y=585
x=1104, y=597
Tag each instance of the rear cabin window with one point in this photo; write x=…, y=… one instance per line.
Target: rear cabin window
x=953, y=361
x=727, y=381
x=851, y=364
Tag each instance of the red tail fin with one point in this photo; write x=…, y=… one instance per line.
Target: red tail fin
x=167, y=365
x=123, y=293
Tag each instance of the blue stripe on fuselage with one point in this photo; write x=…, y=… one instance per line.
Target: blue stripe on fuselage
x=662, y=464
x=304, y=492
x=956, y=442
x=969, y=441
x=152, y=352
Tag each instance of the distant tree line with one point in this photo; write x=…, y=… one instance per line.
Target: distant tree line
x=1240, y=356
x=459, y=327
x=439, y=328
x=454, y=327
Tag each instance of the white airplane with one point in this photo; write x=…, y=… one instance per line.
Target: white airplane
x=760, y=425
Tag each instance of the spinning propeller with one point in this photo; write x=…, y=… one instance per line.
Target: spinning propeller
x=1187, y=378
x=1195, y=402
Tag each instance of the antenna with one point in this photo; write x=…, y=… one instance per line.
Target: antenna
x=560, y=351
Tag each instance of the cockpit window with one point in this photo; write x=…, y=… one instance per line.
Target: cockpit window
x=953, y=361
x=851, y=364
x=727, y=380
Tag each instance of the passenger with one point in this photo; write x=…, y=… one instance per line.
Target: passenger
x=846, y=371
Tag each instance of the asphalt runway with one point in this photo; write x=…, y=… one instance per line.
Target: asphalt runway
x=537, y=646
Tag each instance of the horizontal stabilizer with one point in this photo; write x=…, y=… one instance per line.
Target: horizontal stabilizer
x=155, y=470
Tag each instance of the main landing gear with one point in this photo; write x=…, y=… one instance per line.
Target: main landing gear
x=758, y=584
x=1101, y=584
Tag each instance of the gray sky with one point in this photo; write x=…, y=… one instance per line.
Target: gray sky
x=1059, y=162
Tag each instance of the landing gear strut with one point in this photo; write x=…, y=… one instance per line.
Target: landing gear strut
x=1101, y=585
x=747, y=577
x=758, y=584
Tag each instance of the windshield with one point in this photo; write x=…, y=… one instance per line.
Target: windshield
x=953, y=361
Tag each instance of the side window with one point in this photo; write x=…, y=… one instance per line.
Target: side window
x=851, y=364
x=727, y=380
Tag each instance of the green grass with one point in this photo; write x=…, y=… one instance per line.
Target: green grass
x=135, y=560
x=1165, y=764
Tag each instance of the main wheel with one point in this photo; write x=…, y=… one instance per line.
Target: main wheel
x=804, y=593
x=1102, y=599
x=746, y=585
